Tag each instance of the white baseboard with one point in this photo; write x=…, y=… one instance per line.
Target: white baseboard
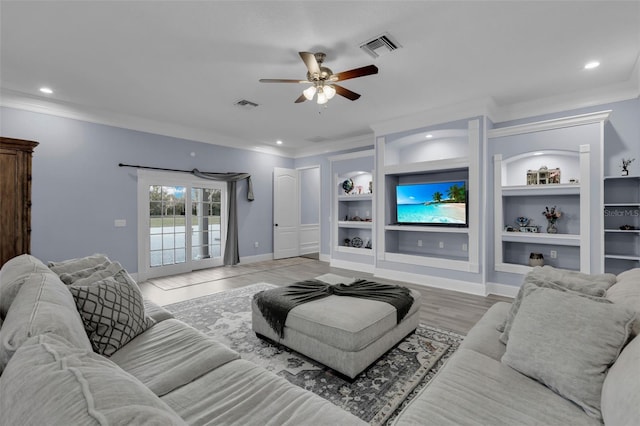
x=325, y=258
x=431, y=281
x=354, y=266
x=256, y=258
x=502, y=289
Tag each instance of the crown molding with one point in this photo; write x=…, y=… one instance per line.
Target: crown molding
x=361, y=141
x=556, y=123
x=23, y=101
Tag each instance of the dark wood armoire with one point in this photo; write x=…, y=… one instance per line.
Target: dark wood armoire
x=15, y=197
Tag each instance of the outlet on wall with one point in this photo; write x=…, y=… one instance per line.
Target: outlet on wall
x=441, y=244
x=419, y=243
x=464, y=247
x=553, y=254
x=256, y=244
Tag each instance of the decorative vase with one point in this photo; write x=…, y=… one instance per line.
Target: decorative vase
x=536, y=259
x=551, y=227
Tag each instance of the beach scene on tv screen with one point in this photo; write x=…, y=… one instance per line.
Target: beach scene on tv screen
x=438, y=203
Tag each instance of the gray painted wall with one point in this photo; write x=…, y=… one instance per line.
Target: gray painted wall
x=79, y=190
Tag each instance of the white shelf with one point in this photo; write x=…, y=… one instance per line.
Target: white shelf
x=418, y=228
x=541, y=238
x=621, y=177
x=428, y=166
x=621, y=257
x=623, y=231
x=355, y=224
x=549, y=189
x=355, y=250
x=356, y=197
x=632, y=204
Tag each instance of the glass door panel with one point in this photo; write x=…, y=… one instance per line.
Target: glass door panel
x=206, y=222
x=167, y=225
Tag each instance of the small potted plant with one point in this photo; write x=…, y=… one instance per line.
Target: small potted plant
x=552, y=214
x=625, y=166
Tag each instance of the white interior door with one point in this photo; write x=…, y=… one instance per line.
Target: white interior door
x=286, y=215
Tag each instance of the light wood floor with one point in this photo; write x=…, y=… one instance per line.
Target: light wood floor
x=445, y=309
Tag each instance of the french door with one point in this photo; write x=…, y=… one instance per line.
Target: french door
x=181, y=224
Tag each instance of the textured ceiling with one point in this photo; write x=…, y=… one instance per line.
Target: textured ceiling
x=178, y=67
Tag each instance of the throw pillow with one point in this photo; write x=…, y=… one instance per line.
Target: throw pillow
x=627, y=292
x=568, y=342
x=71, y=265
x=548, y=276
x=112, y=312
x=70, y=277
x=112, y=269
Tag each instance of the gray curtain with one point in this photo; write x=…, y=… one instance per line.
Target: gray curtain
x=231, y=252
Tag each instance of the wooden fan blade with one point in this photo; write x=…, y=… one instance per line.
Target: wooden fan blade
x=300, y=99
x=354, y=73
x=346, y=92
x=280, y=80
x=310, y=61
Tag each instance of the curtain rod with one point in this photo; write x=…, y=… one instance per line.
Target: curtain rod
x=177, y=170
x=226, y=177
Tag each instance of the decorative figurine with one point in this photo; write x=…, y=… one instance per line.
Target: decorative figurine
x=625, y=166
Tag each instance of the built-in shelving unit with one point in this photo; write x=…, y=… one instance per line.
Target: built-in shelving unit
x=425, y=156
x=512, y=200
x=621, y=223
x=571, y=147
x=352, y=244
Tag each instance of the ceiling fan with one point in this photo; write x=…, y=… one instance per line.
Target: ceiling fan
x=323, y=80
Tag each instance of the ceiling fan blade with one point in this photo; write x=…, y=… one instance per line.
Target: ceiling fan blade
x=300, y=99
x=346, y=92
x=355, y=73
x=280, y=80
x=310, y=61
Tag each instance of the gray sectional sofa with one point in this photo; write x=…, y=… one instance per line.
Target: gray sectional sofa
x=562, y=354
x=168, y=373
x=569, y=359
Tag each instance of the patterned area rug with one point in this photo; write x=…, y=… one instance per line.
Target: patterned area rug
x=375, y=396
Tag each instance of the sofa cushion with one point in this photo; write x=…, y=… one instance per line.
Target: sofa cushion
x=484, y=337
x=71, y=265
x=242, y=393
x=49, y=382
x=155, y=311
x=621, y=388
x=474, y=389
x=626, y=292
x=533, y=282
x=568, y=342
x=43, y=305
x=171, y=354
x=69, y=277
x=112, y=312
x=13, y=274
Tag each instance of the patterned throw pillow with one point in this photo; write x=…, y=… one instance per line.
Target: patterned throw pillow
x=112, y=311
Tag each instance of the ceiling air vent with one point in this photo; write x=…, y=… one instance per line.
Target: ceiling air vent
x=380, y=45
x=245, y=104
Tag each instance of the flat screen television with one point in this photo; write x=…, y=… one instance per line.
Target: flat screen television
x=433, y=204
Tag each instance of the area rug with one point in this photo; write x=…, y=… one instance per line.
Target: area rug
x=375, y=396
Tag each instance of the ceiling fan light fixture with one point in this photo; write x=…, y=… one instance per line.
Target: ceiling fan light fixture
x=309, y=92
x=329, y=91
x=322, y=98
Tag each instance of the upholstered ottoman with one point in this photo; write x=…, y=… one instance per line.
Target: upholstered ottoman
x=345, y=333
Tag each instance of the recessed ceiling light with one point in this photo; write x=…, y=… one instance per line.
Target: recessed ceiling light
x=429, y=136
x=591, y=65
x=279, y=142
x=46, y=90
